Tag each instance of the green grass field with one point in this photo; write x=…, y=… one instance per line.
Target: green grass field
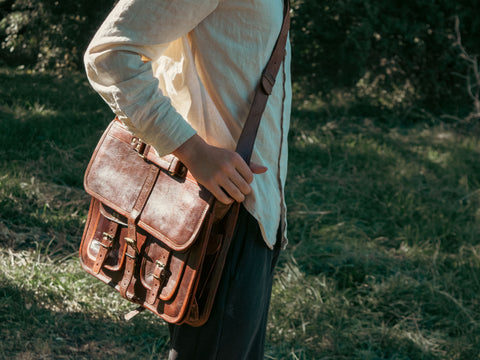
x=384, y=230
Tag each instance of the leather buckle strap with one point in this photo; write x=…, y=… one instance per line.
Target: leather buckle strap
x=264, y=89
x=133, y=243
x=105, y=243
x=176, y=167
x=131, y=240
x=140, y=147
x=160, y=276
x=130, y=259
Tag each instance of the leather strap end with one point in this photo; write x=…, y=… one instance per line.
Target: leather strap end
x=133, y=313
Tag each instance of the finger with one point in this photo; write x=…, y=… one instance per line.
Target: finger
x=240, y=183
x=221, y=195
x=257, y=168
x=233, y=191
x=244, y=170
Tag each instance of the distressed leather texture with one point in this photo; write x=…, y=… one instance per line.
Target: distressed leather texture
x=153, y=233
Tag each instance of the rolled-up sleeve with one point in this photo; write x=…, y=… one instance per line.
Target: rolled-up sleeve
x=114, y=65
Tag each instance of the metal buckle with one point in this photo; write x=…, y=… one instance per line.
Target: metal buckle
x=108, y=247
x=164, y=274
x=108, y=237
x=139, y=146
x=176, y=168
x=133, y=244
x=162, y=270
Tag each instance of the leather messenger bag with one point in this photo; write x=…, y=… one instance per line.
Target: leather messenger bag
x=153, y=233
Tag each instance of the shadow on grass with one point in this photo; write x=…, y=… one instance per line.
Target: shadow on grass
x=368, y=202
x=49, y=126
x=383, y=220
x=31, y=331
x=384, y=181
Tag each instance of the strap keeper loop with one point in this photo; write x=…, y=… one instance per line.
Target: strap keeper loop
x=268, y=81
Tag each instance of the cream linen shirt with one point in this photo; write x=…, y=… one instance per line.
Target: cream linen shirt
x=207, y=57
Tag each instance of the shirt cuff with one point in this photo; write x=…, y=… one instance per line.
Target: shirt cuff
x=165, y=134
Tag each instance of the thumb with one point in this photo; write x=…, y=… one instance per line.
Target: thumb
x=257, y=169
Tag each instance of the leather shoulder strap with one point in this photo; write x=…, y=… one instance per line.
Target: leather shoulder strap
x=264, y=89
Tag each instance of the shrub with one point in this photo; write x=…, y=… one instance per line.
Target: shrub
x=374, y=48
x=48, y=34
x=387, y=55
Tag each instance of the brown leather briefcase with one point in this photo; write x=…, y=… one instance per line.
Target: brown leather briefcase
x=152, y=232
x=152, y=228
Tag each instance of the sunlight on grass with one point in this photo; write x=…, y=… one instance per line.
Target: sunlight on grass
x=24, y=111
x=42, y=276
x=54, y=297
x=31, y=210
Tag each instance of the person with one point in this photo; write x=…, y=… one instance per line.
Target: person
x=181, y=76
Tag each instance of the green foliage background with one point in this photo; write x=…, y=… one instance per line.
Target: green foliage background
x=48, y=34
x=387, y=54
x=400, y=45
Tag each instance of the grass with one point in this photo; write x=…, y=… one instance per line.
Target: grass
x=384, y=254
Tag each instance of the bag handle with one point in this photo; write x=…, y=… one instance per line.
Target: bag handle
x=263, y=90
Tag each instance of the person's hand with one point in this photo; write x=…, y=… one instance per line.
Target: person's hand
x=223, y=172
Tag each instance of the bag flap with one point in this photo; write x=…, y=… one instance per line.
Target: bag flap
x=116, y=174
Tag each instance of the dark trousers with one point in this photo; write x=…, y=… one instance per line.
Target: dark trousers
x=237, y=325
